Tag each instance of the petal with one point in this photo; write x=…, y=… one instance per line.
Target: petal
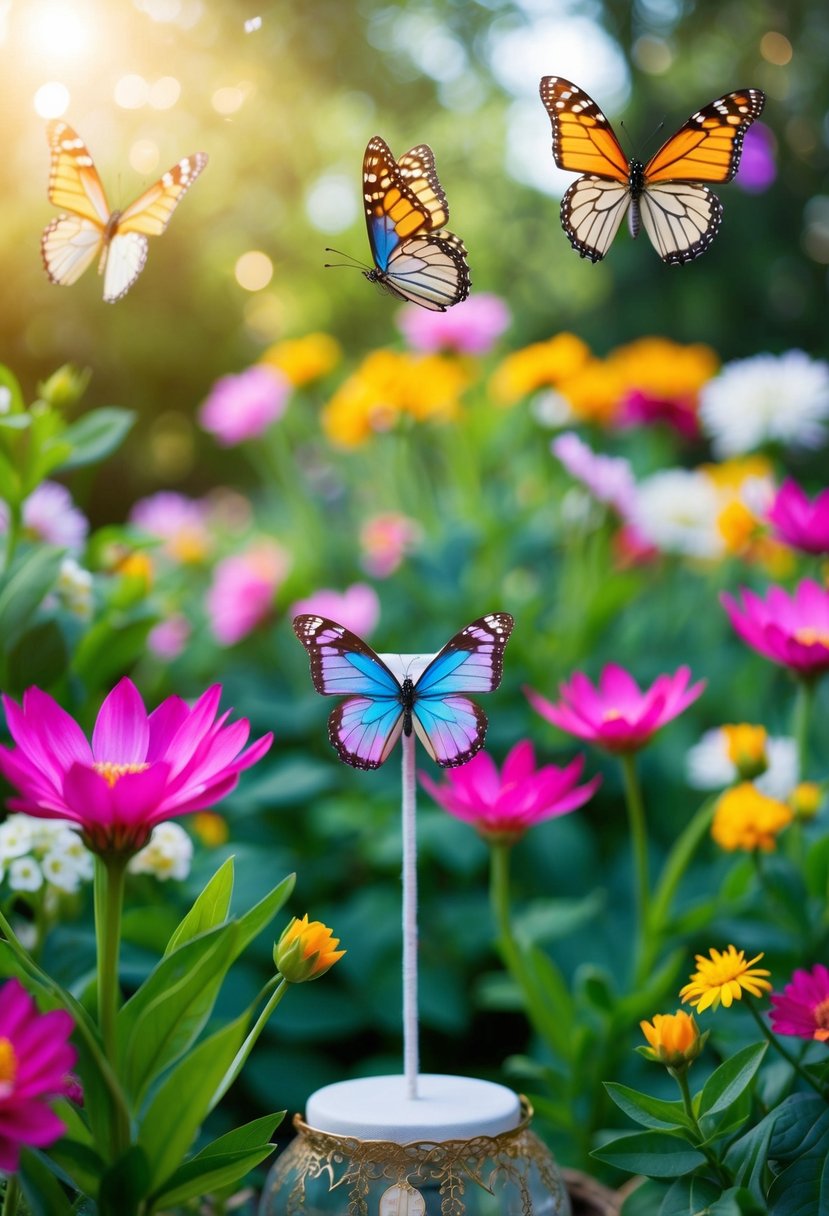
x=520, y=762
x=121, y=731
x=88, y=795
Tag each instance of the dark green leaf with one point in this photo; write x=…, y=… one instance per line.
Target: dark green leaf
x=24, y=588
x=222, y=1162
x=38, y=657
x=728, y=1081
x=650, y=1112
x=804, y=1185
x=79, y=1162
x=656, y=1154
x=110, y=648
x=43, y=1193
x=96, y=435
x=746, y=1158
x=736, y=1201
x=209, y=909
x=125, y=1184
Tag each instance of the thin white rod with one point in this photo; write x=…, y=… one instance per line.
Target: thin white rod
x=408, y=812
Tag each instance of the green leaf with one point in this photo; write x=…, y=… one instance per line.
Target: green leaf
x=43, y=1193
x=96, y=435
x=125, y=1184
x=221, y=1163
x=547, y=997
x=79, y=1162
x=181, y=1102
x=732, y=1119
x=11, y=490
x=551, y=919
x=261, y=914
x=657, y=1154
x=24, y=588
x=595, y=986
x=39, y=657
x=746, y=1158
x=650, y=1112
x=209, y=909
x=736, y=1201
x=110, y=647
x=728, y=1081
x=11, y=397
x=804, y=1185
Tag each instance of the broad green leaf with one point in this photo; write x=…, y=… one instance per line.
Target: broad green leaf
x=260, y=915
x=109, y=648
x=11, y=490
x=181, y=1102
x=734, y=1118
x=221, y=1162
x=209, y=909
x=656, y=1154
x=39, y=656
x=79, y=1162
x=24, y=588
x=547, y=996
x=96, y=435
x=43, y=1193
x=746, y=1158
x=125, y=1184
x=804, y=1185
x=728, y=1081
x=736, y=1201
x=795, y=1117
x=650, y=1112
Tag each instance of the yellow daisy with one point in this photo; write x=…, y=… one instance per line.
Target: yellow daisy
x=722, y=978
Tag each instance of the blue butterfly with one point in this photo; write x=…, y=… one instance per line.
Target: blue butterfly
x=379, y=707
x=405, y=205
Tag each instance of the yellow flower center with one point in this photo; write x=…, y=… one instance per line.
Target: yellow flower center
x=111, y=772
x=611, y=715
x=812, y=637
x=723, y=977
x=8, y=1067
x=821, y=1015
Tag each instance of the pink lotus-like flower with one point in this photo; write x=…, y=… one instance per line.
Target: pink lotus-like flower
x=244, y=406
x=358, y=607
x=470, y=328
x=802, y=1008
x=139, y=769
x=799, y=521
x=616, y=714
x=792, y=630
x=608, y=478
x=243, y=590
x=35, y=1060
x=502, y=806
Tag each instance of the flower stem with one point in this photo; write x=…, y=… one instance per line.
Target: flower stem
x=639, y=843
x=681, y=1078
x=250, y=1041
x=499, y=890
x=802, y=719
x=675, y=866
x=787, y=1056
x=11, y=1197
x=109, y=899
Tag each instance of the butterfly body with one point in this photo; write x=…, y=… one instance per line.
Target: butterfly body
x=89, y=230
x=405, y=210
x=666, y=195
x=379, y=705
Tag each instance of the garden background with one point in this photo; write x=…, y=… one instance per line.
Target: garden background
x=283, y=98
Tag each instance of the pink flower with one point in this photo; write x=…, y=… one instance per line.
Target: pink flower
x=168, y=638
x=802, y=1008
x=757, y=168
x=608, y=478
x=617, y=715
x=50, y=515
x=243, y=590
x=502, y=806
x=139, y=769
x=385, y=540
x=470, y=328
x=358, y=607
x=179, y=521
x=244, y=406
x=640, y=408
x=799, y=521
x=35, y=1060
x=790, y=630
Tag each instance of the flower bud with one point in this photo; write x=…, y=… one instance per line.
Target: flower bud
x=747, y=749
x=674, y=1039
x=64, y=387
x=306, y=951
x=805, y=799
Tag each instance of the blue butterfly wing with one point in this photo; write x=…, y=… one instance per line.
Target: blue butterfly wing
x=365, y=727
x=452, y=727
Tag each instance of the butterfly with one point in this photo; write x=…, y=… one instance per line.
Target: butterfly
x=405, y=207
x=378, y=706
x=680, y=214
x=118, y=239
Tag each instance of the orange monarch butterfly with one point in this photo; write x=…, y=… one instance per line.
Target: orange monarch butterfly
x=680, y=215
x=405, y=206
x=118, y=239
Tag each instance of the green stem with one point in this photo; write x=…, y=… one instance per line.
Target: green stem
x=639, y=843
x=110, y=873
x=787, y=1056
x=499, y=897
x=12, y=1195
x=13, y=533
x=673, y=871
x=802, y=720
x=248, y=1045
x=681, y=1078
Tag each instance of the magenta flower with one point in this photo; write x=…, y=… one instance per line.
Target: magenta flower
x=502, y=806
x=243, y=590
x=358, y=607
x=470, y=328
x=244, y=406
x=139, y=769
x=608, y=478
x=617, y=715
x=802, y=1008
x=35, y=1060
x=799, y=521
x=790, y=630
x=640, y=408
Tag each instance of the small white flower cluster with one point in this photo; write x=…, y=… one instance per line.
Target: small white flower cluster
x=709, y=766
x=37, y=851
x=167, y=854
x=74, y=588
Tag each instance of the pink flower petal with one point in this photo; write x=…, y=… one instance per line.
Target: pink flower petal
x=121, y=731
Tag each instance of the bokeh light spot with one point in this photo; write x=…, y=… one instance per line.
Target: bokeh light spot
x=55, y=29
x=144, y=156
x=776, y=48
x=331, y=203
x=164, y=93
x=252, y=24
x=652, y=55
x=51, y=100
x=131, y=92
x=227, y=100
x=253, y=270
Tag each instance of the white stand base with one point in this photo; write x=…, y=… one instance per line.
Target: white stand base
x=447, y=1108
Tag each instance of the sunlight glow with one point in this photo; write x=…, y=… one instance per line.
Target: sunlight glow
x=131, y=92
x=55, y=29
x=776, y=48
x=252, y=24
x=331, y=203
x=164, y=93
x=253, y=270
x=144, y=156
x=227, y=100
x=51, y=100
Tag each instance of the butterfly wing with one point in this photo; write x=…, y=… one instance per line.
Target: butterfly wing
x=708, y=146
x=393, y=211
x=366, y=726
x=451, y=727
x=417, y=170
x=73, y=179
x=428, y=270
x=68, y=245
x=583, y=139
x=150, y=213
x=125, y=258
x=681, y=219
x=591, y=212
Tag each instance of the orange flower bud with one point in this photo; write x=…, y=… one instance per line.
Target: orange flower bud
x=306, y=951
x=674, y=1039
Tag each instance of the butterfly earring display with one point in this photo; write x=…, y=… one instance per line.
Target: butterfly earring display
x=118, y=239
x=380, y=706
x=405, y=210
x=666, y=194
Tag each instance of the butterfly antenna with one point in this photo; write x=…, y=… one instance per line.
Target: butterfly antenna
x=352, y=262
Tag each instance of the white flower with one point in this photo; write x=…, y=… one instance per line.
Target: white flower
x=15, y=837
x=74, y=586
x=552, y=409
x=676, y=510
x=709, y=767
x=167, y=854
x=25, y=875
x=68, y=844
x=777, y=398
x=60, y=872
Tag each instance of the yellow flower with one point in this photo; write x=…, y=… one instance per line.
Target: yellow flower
x=805, y=799
x=674, y=1039
x=664, y=369
x=723, y=977
x=746, y=746
x=738, y=526
x=594, y=391
x=211, y=828
x=541, y=365
x=746, y=819
x=306, y=951
x=731, y=476
x=304, y=359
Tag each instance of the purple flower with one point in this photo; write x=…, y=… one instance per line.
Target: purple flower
x=757, y=168
x=608, y=478
x=244, y=406
x=799, y=521
x=168, y=638
x=358, y=607
x=179, y=521
x=470, y=328
x=50, y=515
